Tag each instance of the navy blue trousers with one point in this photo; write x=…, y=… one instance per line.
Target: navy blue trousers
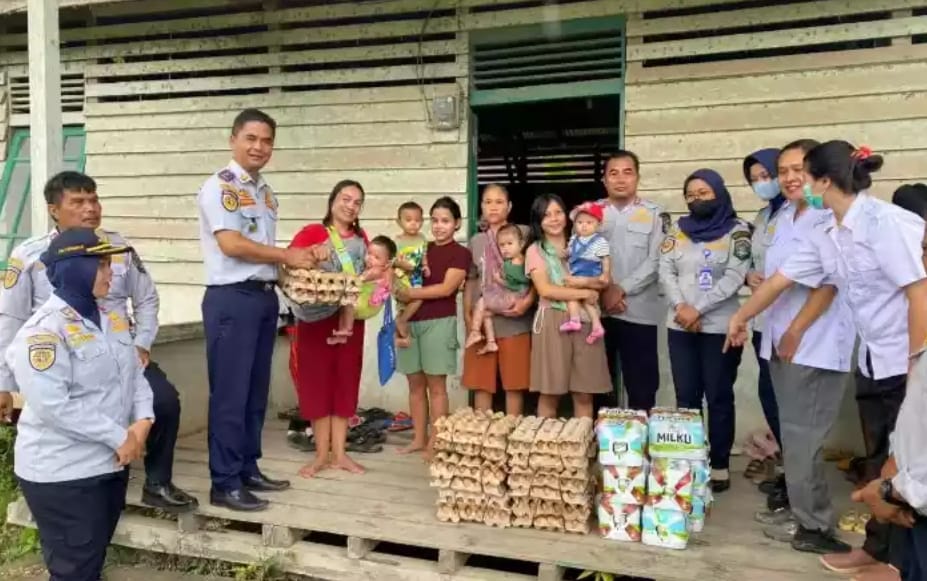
x=635, y=347
x=915, y=555
x=241, y=325
x=765, y=390
x=162, y=439
x=76, y=521
x=701, y=370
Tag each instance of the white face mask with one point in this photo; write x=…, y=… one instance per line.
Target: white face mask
x=766, y=190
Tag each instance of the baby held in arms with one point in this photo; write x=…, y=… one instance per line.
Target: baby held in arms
x=589, y=257
x=506, y=286
x=376, y=281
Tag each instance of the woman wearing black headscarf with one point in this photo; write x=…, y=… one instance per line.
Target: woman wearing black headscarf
x=88, y=408
x=703, y=264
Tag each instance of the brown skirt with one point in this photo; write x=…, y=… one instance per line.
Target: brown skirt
x=564, y=362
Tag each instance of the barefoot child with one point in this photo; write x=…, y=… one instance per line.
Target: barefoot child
x=511, y=285
x=376, y=281
x=411, y=262
x=589, y=257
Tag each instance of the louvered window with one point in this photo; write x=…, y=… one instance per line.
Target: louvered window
x=574, y=58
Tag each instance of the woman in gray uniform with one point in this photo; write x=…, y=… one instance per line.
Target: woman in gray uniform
x=703, y=264
x=88, y=408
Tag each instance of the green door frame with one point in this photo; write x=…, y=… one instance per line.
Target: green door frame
x=545, y=92
x=10, y=239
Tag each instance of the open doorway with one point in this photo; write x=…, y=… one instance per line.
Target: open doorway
x=555, y=146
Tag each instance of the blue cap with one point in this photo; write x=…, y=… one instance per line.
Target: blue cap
x=79, y=242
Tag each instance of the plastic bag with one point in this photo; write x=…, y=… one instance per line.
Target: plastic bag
x=386, y=344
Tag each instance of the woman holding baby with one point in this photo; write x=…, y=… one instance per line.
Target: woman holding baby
x=498, y=343
x=564, y=358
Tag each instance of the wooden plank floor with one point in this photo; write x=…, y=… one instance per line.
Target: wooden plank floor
x=393, y=502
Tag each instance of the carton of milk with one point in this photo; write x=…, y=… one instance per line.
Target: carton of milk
x=622, y=437
x=664, y=528
x=701, y=476
x=676, y=435
x=697, y=516
x=626, y=484
x=669, y=484
x=618, y=521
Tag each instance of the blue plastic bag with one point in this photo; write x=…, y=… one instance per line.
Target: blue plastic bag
x=386, y=344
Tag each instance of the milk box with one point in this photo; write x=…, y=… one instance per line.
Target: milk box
x=626, y=484
x=664, y=528
x=701, y=476
x=697, y=516
x=669, y=484
x=677, y=435
x=622, y=437
x=618, y=521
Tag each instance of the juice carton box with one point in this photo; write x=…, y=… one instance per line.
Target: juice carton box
x=622, y=437
x=669, y=484
x=697, y=516
x=677, y=435
x=701, y=475
x=664, y=528
x=618, y=521
x=626, y=484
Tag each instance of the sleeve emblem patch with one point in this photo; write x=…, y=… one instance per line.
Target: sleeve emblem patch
x=42, y=357
x=230, y=201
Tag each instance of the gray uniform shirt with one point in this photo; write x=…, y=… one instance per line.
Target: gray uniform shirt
x=634, y=235
x=83, y=386
x=684, y=268
x=26, y=288
x=764, y=231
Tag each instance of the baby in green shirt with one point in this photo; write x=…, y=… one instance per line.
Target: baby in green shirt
x=506, y=286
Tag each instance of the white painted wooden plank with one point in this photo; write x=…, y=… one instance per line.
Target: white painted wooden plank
x=805, y=113
x=219, y=83
x=451, y=180
x=302, y=57
x=249, y=40
x=307, y=137
x=452, y=155
x=285, y=117
x=876, y=79
x=880, y=135
x=777, y=39
x=132, y=214
x=621, y=6
x=227, y=103
x=550, y=13
x=762, y=16
x=899, y=165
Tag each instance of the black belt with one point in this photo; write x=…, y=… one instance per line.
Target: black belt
x=252, y=285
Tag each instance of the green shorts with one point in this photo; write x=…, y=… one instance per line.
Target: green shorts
x=433, y=350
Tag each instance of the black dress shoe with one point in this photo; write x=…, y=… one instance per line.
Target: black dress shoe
x=774, y=485
x=820, y=542
x=261, y=483
x=168, y=498
x=720, y=485
x=777, y=500
x=240, y=499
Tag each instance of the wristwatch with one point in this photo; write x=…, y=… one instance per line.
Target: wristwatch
x=886, y=491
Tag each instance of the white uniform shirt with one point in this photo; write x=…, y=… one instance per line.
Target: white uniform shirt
x=871, y=257
x=907, y=441
x=634, y=235
x=83, y=385
x=231, y=199
x=764, y=230
x=828, y=342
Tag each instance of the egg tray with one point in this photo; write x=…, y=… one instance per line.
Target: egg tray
x=492, y=474
x=316, y=287
x=522, y=437
x=575, y=438
x=547, y=438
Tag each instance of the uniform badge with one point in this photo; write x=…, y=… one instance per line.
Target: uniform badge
x=42, y=356
x=226, y=175
x=742, y=247
x=668, y=244
x=229, y=201
x=11, y=276
x=269, y=201
x=641, y=216
x=118, y=323
x=667, y=222
x=70, y=314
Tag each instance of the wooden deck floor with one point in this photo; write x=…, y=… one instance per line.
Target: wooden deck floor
x=393, y=503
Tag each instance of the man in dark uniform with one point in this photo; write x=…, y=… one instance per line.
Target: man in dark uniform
x=238, y=227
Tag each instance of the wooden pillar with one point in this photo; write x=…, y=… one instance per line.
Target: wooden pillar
x=44, y=103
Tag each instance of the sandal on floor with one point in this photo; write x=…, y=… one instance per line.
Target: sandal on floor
x=401, y=422
x=364, y=445
x=861, y=523
x=301, y=441
x=755, y=468
x=848, y=521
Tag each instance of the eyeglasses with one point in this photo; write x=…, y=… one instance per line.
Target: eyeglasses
x=700, y=195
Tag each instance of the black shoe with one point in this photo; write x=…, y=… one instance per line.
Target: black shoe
x=168, y=498
x=770, y=486
x=720, y=485
x=820, y=542
x=778, y=500
x=300, y=441
x=240, y=499
x=261, y=483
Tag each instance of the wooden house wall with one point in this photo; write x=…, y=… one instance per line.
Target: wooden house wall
x=158, y=92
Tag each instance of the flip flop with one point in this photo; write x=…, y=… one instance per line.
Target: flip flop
x=755, y=468
x=861, y=523
x=401, y=422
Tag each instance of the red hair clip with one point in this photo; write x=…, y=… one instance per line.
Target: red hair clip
x=862, y=152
